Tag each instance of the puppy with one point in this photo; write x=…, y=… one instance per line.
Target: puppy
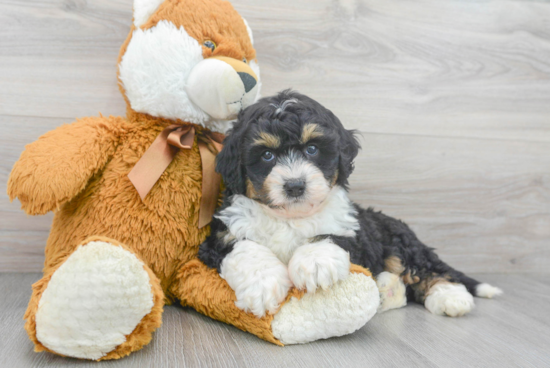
x=287, y=219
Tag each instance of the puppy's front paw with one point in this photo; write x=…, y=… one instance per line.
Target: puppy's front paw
x=260, y=280
x=319, y=264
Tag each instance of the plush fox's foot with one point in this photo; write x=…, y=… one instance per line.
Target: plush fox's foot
x=100, y=303
x=336, y=311
x=303, y=316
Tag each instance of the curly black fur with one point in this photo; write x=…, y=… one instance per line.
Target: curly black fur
x=380, y=239
x=215, y=247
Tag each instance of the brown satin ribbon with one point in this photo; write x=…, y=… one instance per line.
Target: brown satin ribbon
x=160, y=154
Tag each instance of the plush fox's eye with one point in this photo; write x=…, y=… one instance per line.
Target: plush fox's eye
x=210, y=44
x=244, y=60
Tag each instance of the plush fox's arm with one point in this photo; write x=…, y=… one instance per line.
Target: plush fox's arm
x=55, y=168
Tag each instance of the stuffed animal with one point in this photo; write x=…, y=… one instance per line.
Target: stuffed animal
x=133, y=197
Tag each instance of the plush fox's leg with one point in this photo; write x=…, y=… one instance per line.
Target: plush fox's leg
x=101, y=302
x=302, y=317
x=339, y=310
x=203, y=289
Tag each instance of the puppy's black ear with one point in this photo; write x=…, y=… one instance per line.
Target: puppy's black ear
x=229, y=162
x=349, y=148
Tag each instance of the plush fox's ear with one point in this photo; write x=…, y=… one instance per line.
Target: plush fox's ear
x=143, y=9
x=249, y=31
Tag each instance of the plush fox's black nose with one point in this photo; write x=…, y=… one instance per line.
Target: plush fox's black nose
x=295, y=188
x=248, y=81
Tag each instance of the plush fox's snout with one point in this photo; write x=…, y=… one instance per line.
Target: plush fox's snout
x=222, y=86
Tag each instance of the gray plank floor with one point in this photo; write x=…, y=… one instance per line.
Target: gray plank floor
x=513, y=331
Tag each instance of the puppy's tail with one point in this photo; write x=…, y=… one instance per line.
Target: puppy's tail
x=479, y=289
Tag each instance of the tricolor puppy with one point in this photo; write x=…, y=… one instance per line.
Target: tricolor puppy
x=287, y=219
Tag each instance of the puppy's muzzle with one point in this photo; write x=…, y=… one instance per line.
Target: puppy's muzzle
x=222, y=86
x=295, y=188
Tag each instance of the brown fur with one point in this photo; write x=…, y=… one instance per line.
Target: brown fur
x=209, y=20
x=250, y=190
x=394, y=265
x=423, y=288
x=267, y=140
x=310, y=131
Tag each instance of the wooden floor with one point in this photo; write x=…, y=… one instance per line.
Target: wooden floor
x=511, y=331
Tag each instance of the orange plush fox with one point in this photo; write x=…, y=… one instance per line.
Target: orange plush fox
x=122, y=245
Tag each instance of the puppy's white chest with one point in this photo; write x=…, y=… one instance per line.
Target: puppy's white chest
x=285, y=238
x=248, y=220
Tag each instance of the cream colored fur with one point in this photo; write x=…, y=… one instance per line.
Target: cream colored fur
x=154, y=71
x=392, y=291
x=143, y=9
x=337, y=311
x=217, y=89
x=93, y=301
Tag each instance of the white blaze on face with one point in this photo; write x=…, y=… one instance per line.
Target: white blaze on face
x=295, y=167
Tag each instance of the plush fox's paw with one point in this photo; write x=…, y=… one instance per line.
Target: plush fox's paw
x=94, y=301
x=339, y=310
x=449, y=299
x=320, y=264
x=260, y=280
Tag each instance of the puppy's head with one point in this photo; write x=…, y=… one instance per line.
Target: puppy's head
x=287, y=152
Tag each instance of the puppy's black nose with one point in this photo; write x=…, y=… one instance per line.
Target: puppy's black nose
x=295, y=188
x=248, y=81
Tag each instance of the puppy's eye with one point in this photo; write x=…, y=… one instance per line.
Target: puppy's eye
x=312, y=150
x=210, y=44
x=268, y=156
x=245, y=61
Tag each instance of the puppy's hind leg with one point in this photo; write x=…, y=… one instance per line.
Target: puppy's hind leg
x=443, y=297
x=451, y=293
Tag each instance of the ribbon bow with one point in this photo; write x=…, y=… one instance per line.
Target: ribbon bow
x=156, y=159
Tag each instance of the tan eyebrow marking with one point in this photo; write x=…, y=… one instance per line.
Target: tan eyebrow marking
x=267, y=140
x=310, y=131
x=250, y=190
